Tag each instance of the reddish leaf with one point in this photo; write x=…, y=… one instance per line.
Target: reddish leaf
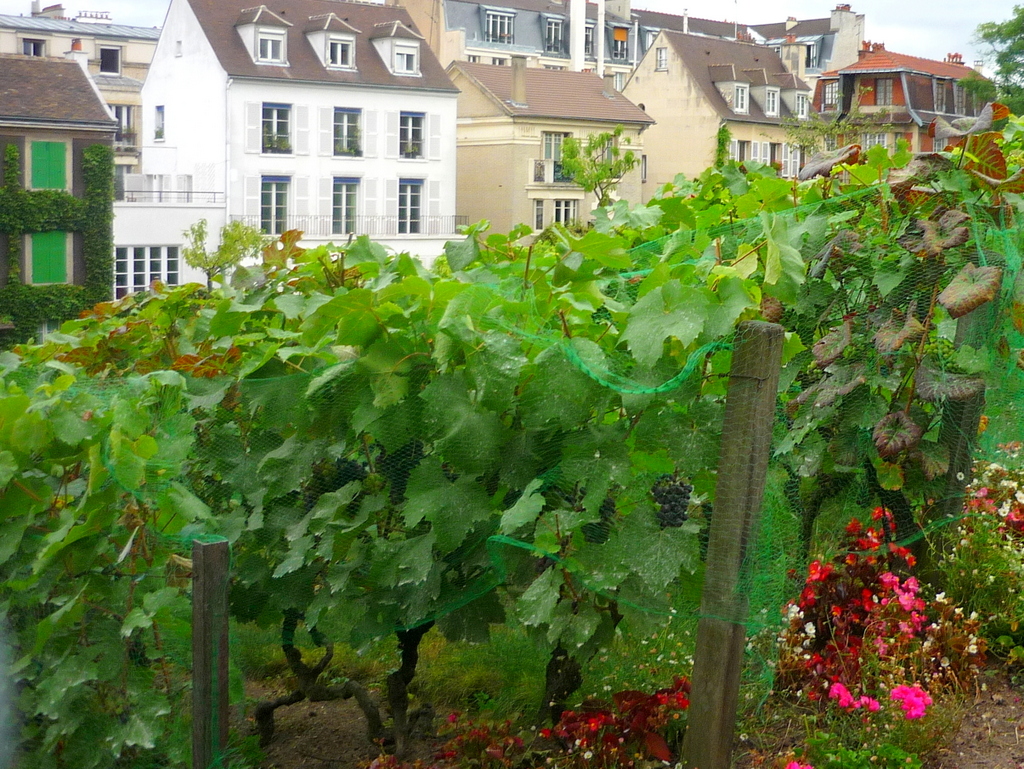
x=897, y=331
x=836, y=384
x=971, y=288
x=771, y=309
x=657, y=747
x=934, y=459
x=1014, y=183
x=987, y=157
x=284, y=248
x=822, y=163
x=896, y=433
x=940, y=129
x=921, y=169
x=931, y=238
x=845, y=242
x=1017, y=303
x=830, y=347
x=936, y=385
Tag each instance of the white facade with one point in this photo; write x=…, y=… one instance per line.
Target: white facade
x=209, y=139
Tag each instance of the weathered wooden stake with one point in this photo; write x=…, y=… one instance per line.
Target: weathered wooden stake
x=209, y=653
x=742, y=470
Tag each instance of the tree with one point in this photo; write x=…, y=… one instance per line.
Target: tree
x=238, y=241
x=599, y=165
x=1006, y=39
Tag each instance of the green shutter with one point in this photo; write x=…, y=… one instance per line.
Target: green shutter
x=49, y=257
x=48, y=162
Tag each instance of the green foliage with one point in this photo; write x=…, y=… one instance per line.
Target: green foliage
x=1006, y=41
x=238, y=242
x=826, y=754
x=723, y=138
x=598, y=165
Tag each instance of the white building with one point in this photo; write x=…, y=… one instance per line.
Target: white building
x=329, y=117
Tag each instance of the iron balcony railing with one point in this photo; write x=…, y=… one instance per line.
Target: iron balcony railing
x=550, y=172
x=319, y=226
x=167, y=196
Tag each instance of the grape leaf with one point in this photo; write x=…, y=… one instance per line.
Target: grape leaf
x=922, y=168
x=462, y=253
x=936, y=386
x=970, y=288
x=452, y=507
x=654, y=554
x=896, y=432
x=830, y=347
x=539, y=600
x=525, y=510
x=671, y=310
x=822, y=163
x=897, y=331
x=934, y=459
x=939, y=128
x=1016, y=303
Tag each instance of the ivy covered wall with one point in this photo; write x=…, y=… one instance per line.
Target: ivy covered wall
x=90, y=217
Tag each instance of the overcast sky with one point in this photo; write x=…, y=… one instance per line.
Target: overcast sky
x=929, y=29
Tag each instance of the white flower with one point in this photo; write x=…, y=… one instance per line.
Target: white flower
x=809, y=629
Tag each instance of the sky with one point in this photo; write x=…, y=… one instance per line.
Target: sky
x=928, y=29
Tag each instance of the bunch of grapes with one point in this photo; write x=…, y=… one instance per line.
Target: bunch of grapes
x=943, y=353
x=673, y=498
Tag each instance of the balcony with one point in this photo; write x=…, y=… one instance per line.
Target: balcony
x=322, y=227
x=168, y=196
x=550, y=172
x=126, y=141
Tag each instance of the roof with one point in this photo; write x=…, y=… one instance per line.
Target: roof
x=262, y=15
x=49, y=90
x=806, y=27
x=78, y=28
x=555, y=94
x=218, y=19
x=552, y=7
x=726, y=29
x=881, y=60
x=709, y=60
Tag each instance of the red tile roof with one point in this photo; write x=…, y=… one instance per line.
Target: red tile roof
x=882, y=60
x=54, y=91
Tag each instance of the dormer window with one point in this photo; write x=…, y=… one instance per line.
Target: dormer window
x=802, y=110
x=407, y=59
x=741, y=96
x=270, y=48
x=830, y=95
x=499, y=27
x=588, y=41
x=771, y=102
x=341, y=52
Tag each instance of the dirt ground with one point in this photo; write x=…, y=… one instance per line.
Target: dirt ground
x=332, y=735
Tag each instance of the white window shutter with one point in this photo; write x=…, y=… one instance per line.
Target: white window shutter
x=434, y=145
x=301, y=196
x=434, y=198
x=391, y=197
x=251, y=187
x=785, y=160
x=369, y=133
x=302, y=129
x=370, y=197
x=755, y=151
x=326, y=131
x=766, y=152
x=326, y=185
x=734, y=150
x=391, y=139
x=253, y=113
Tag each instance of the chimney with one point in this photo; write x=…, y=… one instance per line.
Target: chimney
x=52, y=12
x=518, y=81
x=577, y=34
x=790, y=23
x=875, y=47
x=686, y=22
x=979, y=66
x=599, y=37
x=609, y=84
x=76, y=44
x=36, y=7
x=843, y=7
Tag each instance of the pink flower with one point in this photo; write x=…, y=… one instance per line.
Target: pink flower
x=913, y=699
x=795, y=765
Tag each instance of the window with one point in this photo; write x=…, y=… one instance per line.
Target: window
x=343, y=206
x=410, y=193
x=801, y=106
x=771, y=102
x=473, y=59
x=739, y=150
x=158, y=123
x=588, y=41
x=643, y=168
x=883, y=91
x=49, y=166
x=661, y=58
x=346, y=132
x=497, y=61
x=553, y=152
x=125, y=136
x=830, y=95
x=553, y=36
x=740, y=99
x=565, y=211
x=407, y=60
x=274, y=204
x=940, y=95
x=136, y=268
x=811, y=55
x=831, y=142
x=410, y=134
x=499, y=27
x=538, y=214
x=33, y=47
x=49, y=257
x=276, y=136
x=871, y=139
x=959, y=100
x=271, y=48
x=340, y=53
x=620, y=48
x=110, y=61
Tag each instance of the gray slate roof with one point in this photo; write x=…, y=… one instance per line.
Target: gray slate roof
x=112, y=31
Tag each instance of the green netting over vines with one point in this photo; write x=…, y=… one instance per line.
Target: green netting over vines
x=527, y=435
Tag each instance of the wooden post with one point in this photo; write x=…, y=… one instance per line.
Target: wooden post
x=209, y=653
x=742, y=470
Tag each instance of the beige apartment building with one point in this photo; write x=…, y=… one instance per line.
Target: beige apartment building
x=512, y=121
x=693, y=86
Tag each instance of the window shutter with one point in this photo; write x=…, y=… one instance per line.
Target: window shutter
x=326, y=185
x=326, y=131
x=369, y=135
x=252, y=197
x=301, y=196
x=302, y=130
x=253, y=113
x=434, y=198
x=49, y=257
x=48, y=165
x=370, y=197
x=391, y=139
x=391, y=198
x=434, y=146
x=766, y=152
x=755, y=151
x=785, y=160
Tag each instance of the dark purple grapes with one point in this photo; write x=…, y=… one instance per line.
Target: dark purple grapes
x=673, y=498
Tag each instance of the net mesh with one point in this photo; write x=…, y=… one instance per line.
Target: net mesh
x=296, y=467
